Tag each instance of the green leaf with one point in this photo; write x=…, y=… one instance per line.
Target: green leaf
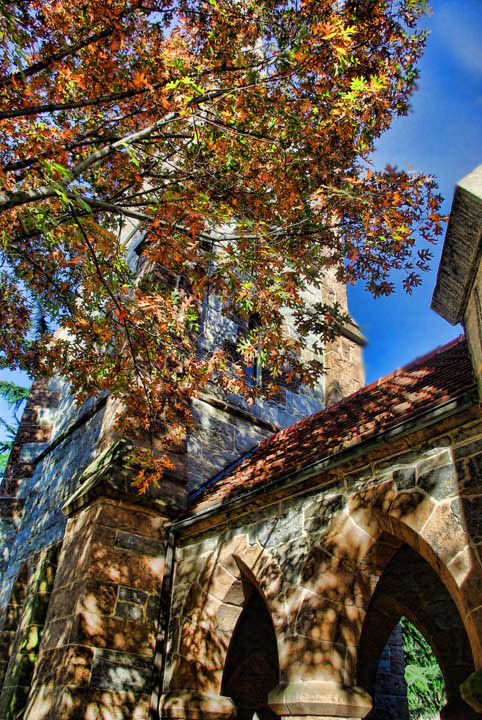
x=14, y=394
x=358, y=84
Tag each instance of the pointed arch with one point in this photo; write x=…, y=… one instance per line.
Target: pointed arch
x=410, y=587
x=252, y=665
x=436, y=531
x=211, y=609
x=460, y=573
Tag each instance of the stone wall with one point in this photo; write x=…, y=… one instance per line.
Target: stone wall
x=390, y=694
x=41, y=496
x=97, y=652
x=25, y=624
x=11, y=618
x=317, y=561
x=34, y=433
x=342, y=357
x=458, y=293
x=344, y=366
x=227, y=426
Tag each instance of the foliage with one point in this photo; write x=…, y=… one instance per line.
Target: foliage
x=15, y=395
x=3, y=459
x=234, y=136
x=425, y=683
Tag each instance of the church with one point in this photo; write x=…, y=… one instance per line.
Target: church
x=266, y=576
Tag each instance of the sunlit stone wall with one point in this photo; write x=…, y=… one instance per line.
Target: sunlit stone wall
x=317, y=560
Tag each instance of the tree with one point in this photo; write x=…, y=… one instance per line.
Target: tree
x=235, y=136
x=425, y=683
x=15, y=395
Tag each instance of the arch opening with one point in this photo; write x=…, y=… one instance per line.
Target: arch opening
x=252, y=667
x=426, y=692
x=409, y=588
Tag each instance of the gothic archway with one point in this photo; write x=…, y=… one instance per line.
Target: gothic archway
x=410, y=587
x=252, y=667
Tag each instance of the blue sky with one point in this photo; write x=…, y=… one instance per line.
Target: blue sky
x=442, y=136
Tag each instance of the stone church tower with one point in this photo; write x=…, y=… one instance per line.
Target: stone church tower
x=267, y=573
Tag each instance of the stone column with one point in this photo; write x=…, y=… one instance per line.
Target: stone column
x=318, y=670
x=96, y=656
x=471, y=692
x=97, y=653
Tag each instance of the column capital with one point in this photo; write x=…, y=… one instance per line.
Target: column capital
x=320, y=699
x=471, y=691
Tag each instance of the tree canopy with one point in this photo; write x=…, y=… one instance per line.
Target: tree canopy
x=234, y=137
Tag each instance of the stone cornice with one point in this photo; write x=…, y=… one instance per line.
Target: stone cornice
x=109, y=476
x=352, y=332
x=462, y=250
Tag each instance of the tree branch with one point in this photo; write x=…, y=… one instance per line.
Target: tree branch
x=9, y=200
x=55, y=57
x=59, y=107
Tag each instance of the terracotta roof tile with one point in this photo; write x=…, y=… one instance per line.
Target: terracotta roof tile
x=429, y=381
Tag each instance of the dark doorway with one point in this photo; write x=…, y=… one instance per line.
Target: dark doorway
x=252, y=668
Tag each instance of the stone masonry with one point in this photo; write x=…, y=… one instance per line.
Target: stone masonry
x=317, y=560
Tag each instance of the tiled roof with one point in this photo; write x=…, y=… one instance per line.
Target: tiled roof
x=429, y=381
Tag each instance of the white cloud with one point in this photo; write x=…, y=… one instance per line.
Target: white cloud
x=459, y=23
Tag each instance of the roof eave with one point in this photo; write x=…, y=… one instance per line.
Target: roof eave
x=421, y=421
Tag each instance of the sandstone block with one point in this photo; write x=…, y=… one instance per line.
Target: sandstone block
x=308, y=660
x=191, y=705
x=404, y=478
x=114, y=565
x=132, y=520
x=319, y=514
x=80, y=703
x=113, y=633
x=413, y=508
x=201, y=677
x=439, y=482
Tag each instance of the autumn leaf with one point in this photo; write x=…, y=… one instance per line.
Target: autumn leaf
x=155, y=160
